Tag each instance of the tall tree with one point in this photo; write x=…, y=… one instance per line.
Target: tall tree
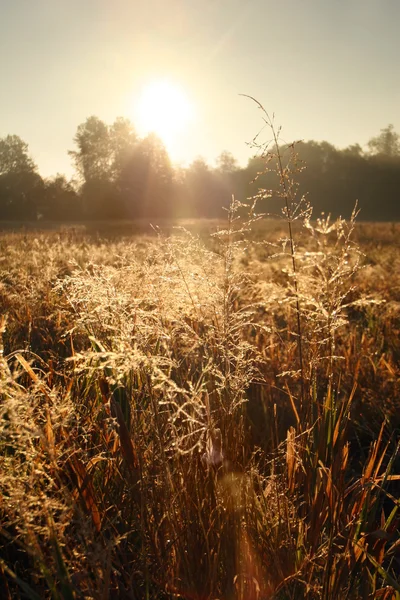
x=146, y=180
x=20, y=184
x=14, y=156
x=93, y=157
x=101, y=156
x=387, y=143
x=227, y=163
x=123, y=139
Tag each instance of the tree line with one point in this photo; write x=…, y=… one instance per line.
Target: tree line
x=120, y=175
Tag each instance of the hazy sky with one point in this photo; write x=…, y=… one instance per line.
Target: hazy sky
x=327, y=68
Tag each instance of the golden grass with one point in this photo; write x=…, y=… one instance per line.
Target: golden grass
x=131, y=364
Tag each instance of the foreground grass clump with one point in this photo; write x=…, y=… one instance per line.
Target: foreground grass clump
x=201, y=416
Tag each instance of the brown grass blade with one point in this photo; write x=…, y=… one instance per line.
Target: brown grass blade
x=86, y=489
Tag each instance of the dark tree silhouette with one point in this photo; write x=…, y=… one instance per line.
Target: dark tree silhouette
x=60, y=200
x=93, y=165
x=123, y=176
x=102, y=154
x=386, y=144
x=20, y=185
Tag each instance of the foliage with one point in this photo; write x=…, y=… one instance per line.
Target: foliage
x=387, y=143
x=14, y=157
x=60, y=200
x=93, y=157
x=20, y=184
x=123, y=176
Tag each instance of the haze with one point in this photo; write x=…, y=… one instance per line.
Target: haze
x=327, y=69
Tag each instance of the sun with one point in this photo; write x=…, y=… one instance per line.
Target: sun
x=164, y=109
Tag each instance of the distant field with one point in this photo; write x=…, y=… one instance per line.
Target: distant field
x=365, y=231
x=183, y=417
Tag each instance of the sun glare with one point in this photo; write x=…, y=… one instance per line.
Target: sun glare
x=164, y=109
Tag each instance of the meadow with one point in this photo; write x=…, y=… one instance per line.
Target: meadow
x=200, y=410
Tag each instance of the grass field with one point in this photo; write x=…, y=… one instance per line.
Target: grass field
x=184, y=416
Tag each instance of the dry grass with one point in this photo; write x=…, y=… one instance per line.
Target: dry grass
x=158, y=436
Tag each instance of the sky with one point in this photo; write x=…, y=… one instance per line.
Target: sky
x=327, y=69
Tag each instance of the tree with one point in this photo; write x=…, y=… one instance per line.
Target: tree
x=226, y=163
x=93, y=157
x=387, y=143
x=353, y=151
x=99, y=160
x=146, y=181
x=205, y=190
x=20, y=184
x=123, y=139
x=14, y=156
x=60, y=200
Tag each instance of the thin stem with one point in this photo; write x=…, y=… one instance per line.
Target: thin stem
x=288, y=197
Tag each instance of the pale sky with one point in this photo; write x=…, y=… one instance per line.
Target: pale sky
x=328, y=69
